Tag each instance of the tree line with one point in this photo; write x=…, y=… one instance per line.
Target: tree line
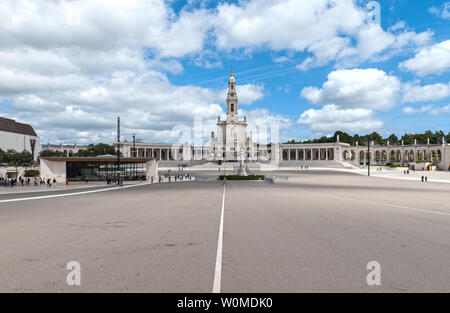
x=408, y=139
x=14, y=158
x=92, y=150
x=24, y=158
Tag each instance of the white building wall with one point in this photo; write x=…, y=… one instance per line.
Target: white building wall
x=151, y=169
x=53, y=169
x=19, y=142
x=446, y=157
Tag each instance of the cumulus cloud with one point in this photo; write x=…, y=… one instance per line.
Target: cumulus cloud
x=331, y=118
x=329, y=30
x=71, y=67
x=434, y=59
x=148, y=104
x=262, y=125
x=356, y=88
x=433, y=92
x=101, y=25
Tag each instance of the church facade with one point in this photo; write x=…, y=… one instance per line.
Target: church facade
x=231, y=141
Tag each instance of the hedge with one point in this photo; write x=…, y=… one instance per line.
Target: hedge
x=31, y=173
x=237, y=177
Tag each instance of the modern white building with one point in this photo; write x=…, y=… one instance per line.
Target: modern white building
x=19, y=137
x=100, y=168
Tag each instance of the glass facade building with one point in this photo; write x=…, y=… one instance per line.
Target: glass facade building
x=102, y=171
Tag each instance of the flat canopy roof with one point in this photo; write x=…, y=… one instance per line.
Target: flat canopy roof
x=98, y=159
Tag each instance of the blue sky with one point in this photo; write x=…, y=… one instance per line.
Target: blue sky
x=315, y=68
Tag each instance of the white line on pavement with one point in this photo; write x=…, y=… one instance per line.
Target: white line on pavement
x=70, y=194
x=402, y=207
x=218, y=271
x=385, y=204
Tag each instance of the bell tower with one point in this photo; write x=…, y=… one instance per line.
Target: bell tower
x=232, y=100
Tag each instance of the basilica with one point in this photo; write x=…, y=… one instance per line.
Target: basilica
x=231, y=141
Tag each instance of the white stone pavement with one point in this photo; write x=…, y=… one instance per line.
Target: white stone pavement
x=398, y=173
x=391, y=173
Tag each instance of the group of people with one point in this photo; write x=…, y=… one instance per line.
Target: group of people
x=11, y=182
x=306, y=167
x=406, y=172
x=15, y=182
x=168, y=176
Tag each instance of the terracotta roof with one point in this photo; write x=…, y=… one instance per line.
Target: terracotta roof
x=11, y=126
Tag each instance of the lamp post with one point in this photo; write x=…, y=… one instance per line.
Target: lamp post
x=134, y=150
x=32, y=144
x=118, y=150
x=368, y=156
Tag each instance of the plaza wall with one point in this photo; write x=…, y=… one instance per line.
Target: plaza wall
x=151, y=169
x=53, y=169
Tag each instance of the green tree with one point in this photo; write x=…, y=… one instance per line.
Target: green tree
x=96, y=150
x=51, y=153
x=393, y=139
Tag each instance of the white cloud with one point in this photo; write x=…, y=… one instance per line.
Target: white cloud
x=367, y=88
x=332, y=118
x=71, y=67
x=102, y=25
x=261, y=123
x=442, y=11
x=411, y=110
x=434, y=59
x=248, y=93
x=433, y=92
x=329, y=30
x=148, y=104
x=430, y=109
x=440, y=110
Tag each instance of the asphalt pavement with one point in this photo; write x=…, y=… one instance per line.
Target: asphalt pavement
x=315, y=232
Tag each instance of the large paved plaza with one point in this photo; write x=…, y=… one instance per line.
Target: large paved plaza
x=315, y=232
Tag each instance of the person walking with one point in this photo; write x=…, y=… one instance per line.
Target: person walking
x=67, y=181
x=423, y=178
x=54, y=182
